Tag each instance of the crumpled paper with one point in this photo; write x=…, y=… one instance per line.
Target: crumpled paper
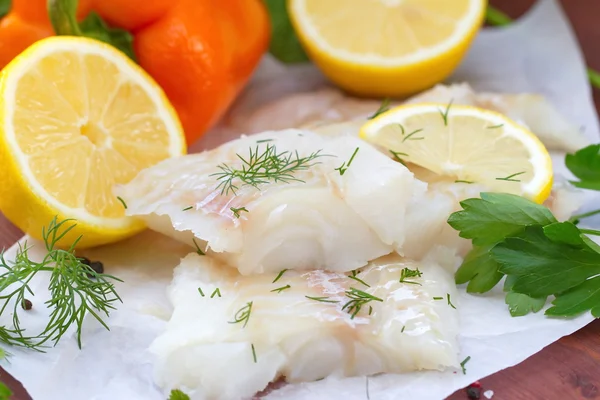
x=537, y=54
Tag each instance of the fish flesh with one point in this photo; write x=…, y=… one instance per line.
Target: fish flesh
x=345, y=207
x=334, y=112
x=303, y=326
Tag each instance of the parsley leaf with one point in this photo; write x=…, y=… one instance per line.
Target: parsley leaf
x=585, y=165
x=521, y=304
x=578, y=300
x=480, y=270
x=565, y=233
x=177, y=394
x=543, y=267
x=496, y=216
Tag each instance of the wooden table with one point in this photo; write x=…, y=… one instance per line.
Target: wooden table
x=568, y=369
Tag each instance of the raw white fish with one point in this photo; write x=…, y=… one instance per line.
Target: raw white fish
x=322, y=220
x=288, y=335
x=346, y=114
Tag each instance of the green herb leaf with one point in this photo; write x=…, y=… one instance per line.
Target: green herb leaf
x=5, y=7
x=565, y=233
x=496, y=216
x=542, y=267
x=585, y=165
x=177, y=394
x=480, y=270
x=62, y=15
x=578, y=300
x=521, y=304
x=284, y=42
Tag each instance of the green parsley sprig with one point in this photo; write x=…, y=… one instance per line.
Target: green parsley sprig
x=540, y=256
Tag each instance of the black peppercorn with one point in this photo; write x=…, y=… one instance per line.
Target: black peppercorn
x=474, y=393
x=26, y=304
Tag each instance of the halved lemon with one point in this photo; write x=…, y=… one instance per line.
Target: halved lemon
x=76, y=118
x=468, y=144
x=386, y=47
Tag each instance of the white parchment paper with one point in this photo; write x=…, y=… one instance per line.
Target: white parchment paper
x=539, y=54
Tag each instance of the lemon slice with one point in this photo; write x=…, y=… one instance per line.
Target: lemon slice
x=386, y=47
x=467, y=144
x=77, y=117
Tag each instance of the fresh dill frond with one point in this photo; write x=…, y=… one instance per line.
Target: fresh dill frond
x=263, y=166
x=243, y=315
x=279, y=275
x=323, y=299
x=385, y=106
x=353, y=275
x=254, y=353
x=510, y=177
x=236, y=211
x=198, y=249
x=358, y=299
x=122, y=202
x=446, y=112
x=216, y=292
x=408, y=273
x=75, y=290
x=342, y=168
x=281, y=289
x=397, y=155
x=449, y=302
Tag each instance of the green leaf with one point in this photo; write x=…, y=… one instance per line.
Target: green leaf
x=5, y=7
x=585, y=165
x=94, y=27
x=62, y=15
x=480, y=270
x=521, y=304
x=5, y=392
x=284, y=42
x=542, y=267
x=496, y=216
x=565, y=233
x=578, y=300
x=177, y=394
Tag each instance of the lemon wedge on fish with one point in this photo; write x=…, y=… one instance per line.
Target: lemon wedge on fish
x=468, y=144
x=76, y=118
x=386, y=47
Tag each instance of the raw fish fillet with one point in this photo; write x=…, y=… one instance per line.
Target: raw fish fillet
x=203, y=353
x=323, y=220
x=331, y=106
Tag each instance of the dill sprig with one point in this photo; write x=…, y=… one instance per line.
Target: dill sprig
x=216, y=292
x=243, y=315
x=358, y=299
x=75, y=290
x=408, y=273
x=413, y=133
x=198, y=249
x=323, y=299
x=449, y=302
x=446, y=112
x=281, y=289
x=353, y=275
x=279, y=275
x=397, y=155
x=342, y=168
x=263, y=166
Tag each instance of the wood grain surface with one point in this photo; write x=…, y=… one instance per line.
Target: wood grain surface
x=568, y=369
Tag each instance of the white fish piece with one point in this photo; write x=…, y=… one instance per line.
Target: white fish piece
x=335, y=113
x=286, y=334
x=319, y=219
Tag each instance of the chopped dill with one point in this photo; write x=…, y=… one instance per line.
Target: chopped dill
x=385, y=106
x=463, y=363
x=281, y=289
x=438, y=298
x=279, y=275
x=264, y=140
x=462, y=181
x=403, y=328
x=236, y=211
x=198, y=249
x=410, y=136
x=495, y=126
x=200, y=291
x=243, y=314
x=449, y=302
x=358, y=299
x=510, y=177
x=446, y=112
x=408, y=273
x=253, y=353
x=122, y=202
x=342, y=168
x=216, y=292
x=188, y=208
x=397, y=155
x=323, y=299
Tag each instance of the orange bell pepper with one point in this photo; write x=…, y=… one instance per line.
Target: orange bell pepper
x=201, y=52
